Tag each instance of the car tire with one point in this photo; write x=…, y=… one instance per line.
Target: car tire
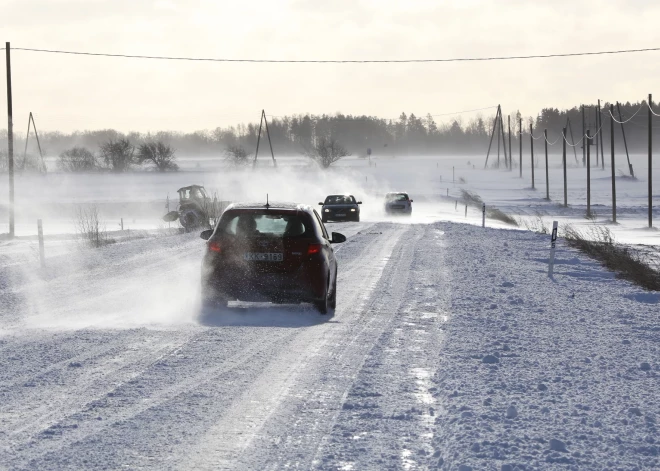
x=324, y=219
x=333, y=299
x=357, y=218
x=323, y=305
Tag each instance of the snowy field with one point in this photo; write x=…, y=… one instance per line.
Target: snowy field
x=450, y=347
x=435, y=183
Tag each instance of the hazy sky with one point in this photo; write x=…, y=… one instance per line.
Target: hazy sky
x=75, y=92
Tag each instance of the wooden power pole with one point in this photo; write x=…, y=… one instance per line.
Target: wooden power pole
x=10, y=143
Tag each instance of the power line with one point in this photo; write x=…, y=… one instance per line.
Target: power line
x=368, y=61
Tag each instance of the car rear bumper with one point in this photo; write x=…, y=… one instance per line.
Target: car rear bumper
x=404, y=210
x=272, y=287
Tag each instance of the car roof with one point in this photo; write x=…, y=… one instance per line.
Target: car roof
x=273, y=205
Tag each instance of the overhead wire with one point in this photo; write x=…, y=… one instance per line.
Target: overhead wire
x=651, y=109
x=342, y=61
x=624, y=122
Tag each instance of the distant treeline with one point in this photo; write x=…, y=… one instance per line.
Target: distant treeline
x=407, y=135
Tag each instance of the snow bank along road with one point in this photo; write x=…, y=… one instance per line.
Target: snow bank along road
x=450, y=349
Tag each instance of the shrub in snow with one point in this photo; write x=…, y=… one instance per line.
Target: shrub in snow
x=77, y=159
x=159, y=154
x=118, y=155
x=327, y=151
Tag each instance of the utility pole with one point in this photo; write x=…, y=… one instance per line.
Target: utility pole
x=510, y=148
x=272, y=154
x=584, y=151
x=531, y=142
x=650, y=103
x=520, y=143
x=503, y=137
x=492, y=135
x=625, y=143
x=602, y=151
x=612, y=163
x=547, y=178
x=499, y=117
x=563, y=159
x=10, y=143
x=587, y=143
x=597, y=131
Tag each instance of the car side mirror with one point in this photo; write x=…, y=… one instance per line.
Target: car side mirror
x=359, y=202
x=337, y=238
x=320, y=204
x=411, y=201
x=206, y=235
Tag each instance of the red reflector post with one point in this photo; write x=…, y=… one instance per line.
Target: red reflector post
x=314, y=249
x=214, y=247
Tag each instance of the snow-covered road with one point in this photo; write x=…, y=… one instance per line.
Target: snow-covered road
x=108, y=362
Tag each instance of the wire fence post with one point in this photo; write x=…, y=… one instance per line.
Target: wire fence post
x=650, y=104
x=10, y=143
x=547, y=177
x=563, y=161
x=553, y=245
x=483, y=215
x=531, y=143
x=520, y=144
x=587, y=143
x=612, y=163
x=40, y=232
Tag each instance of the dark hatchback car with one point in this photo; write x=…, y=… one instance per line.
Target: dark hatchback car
x=340, y=208
x=277, y=253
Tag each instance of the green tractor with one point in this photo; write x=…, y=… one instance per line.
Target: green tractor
x=195, y=209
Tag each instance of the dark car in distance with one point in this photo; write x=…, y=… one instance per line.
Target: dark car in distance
x=398, y=203
x=278, y=252
x=340, y=208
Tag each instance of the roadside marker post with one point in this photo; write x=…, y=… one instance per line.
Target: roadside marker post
x=40, y=232
x=466, y=210
x=553, y=244
x=483, y=215
x=121, y=223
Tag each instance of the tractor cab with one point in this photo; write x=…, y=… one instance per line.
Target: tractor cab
x=192, y=193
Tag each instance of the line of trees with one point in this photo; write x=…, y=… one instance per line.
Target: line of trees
x=297, y=134
x=119, y=155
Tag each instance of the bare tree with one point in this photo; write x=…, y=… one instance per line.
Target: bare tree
x=118, y=155
x=237, y=156
x=89, y=226
x=327, y=151
x=77, y=159
x=159, y=154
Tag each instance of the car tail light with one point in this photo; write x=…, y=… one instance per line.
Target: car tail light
x=214, y=247
x=313, y=249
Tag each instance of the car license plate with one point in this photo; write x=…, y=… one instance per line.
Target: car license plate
x=263, y=257
x=340, y=215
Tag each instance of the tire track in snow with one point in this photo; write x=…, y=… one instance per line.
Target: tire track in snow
x=126, y=406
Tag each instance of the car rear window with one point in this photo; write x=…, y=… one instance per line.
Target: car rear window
x=397, y=197
x=264, y=224
x=340, y=199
